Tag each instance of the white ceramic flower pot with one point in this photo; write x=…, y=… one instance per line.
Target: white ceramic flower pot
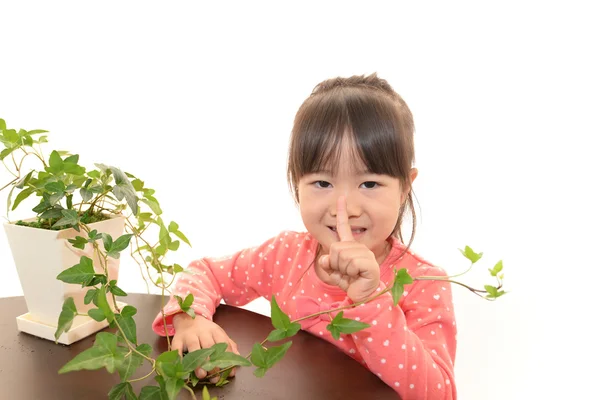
x=40, y=255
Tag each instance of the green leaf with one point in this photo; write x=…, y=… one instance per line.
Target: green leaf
x=22, y=196
x=189, y=299
x=24, y=181
x=177, y=268
x=98, y=279
x=56, y=163
x=160, y=250
x=52, y=213
x=173, y=226
x=79, y=242
x=37, y=132
x=55, y=187
x=81, y=273
x=470, y=254
x=218, y=349
x=168, y=356
x=493, y=291
x=106, y=340
x=90, y=359
x=274, y=354
x=279, y=319
x=137, y=184
x=70, y=218
x=497, y=268
x=191, y=312
x=67, y=315
x=128, y=311
x=152, y=393
x=93, y=236
x=124, y=189
x=108, y=241
x=225, y=360
x=193, y=360
x=94, y=174
x=73, y=169
x=223, y=379
x=132, y=362
x=104, y=353
x=122, y=242
x=117, y=291
x=173, y=386
x=86, y=195
x=173, y=246
x=127, y=324
x=12, y=136
x=89, y=296
x=123, y=389
x=344, y=325
x=258, y=356
x=153, y=206
x=103, y=304
x=55, y=198
x=205, y=394
x=277, y=334
x=265, y=359
x=119, y=245
x=401, y=278
x=5, y=153
x=96, y=314
x=182, y=237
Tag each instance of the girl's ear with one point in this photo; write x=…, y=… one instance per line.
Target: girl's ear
x=412, y=176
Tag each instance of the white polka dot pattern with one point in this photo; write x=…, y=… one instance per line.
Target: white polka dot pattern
x=423, y=321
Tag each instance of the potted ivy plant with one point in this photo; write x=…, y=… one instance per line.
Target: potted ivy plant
x=70, y=250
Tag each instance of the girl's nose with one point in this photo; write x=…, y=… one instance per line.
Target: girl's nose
x=352, y=203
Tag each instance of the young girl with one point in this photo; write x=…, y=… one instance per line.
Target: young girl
x=350, y=172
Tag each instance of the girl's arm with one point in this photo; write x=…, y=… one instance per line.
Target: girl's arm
x=411, y=346
x=237, y=279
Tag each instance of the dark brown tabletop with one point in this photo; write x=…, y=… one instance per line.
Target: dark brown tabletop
x=311, y=369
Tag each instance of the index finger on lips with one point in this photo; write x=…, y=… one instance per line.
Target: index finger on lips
x=343, y=227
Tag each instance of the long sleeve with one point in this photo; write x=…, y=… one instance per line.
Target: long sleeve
x=237, y=279
x=411, y=346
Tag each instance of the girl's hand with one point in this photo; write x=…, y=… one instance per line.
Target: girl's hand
x=193, y=334
x=349, y=265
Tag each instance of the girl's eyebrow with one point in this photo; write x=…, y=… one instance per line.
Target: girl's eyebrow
x=328, y=171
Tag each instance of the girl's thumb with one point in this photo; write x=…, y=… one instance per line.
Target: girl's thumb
x=324, y=261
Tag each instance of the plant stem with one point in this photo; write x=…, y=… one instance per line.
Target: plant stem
x=143, y=377
x=12, y=155
x=190, y=390
x=8, y=169
x=162, y=296
x=9, y=183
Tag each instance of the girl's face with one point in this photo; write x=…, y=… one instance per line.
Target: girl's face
x=373, y=203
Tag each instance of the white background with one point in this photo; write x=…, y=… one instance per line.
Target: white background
x=199, y=101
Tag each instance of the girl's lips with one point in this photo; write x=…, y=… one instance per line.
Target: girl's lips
x=354, y=229
x=356, y=232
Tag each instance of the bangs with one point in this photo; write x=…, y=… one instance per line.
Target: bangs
x=370, y=122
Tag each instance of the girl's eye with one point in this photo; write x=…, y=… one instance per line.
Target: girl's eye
x=370, y=184
x=322, y=184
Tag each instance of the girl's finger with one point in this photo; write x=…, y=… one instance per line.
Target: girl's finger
x=324, y=262
x=177, y=344
x=343, y=227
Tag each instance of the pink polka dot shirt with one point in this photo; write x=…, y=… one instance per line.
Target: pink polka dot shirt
x=411, y=346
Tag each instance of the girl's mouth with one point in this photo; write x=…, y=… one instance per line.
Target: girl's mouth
x=355, y=231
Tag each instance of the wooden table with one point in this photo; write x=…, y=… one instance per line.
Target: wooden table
x=312, y=368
